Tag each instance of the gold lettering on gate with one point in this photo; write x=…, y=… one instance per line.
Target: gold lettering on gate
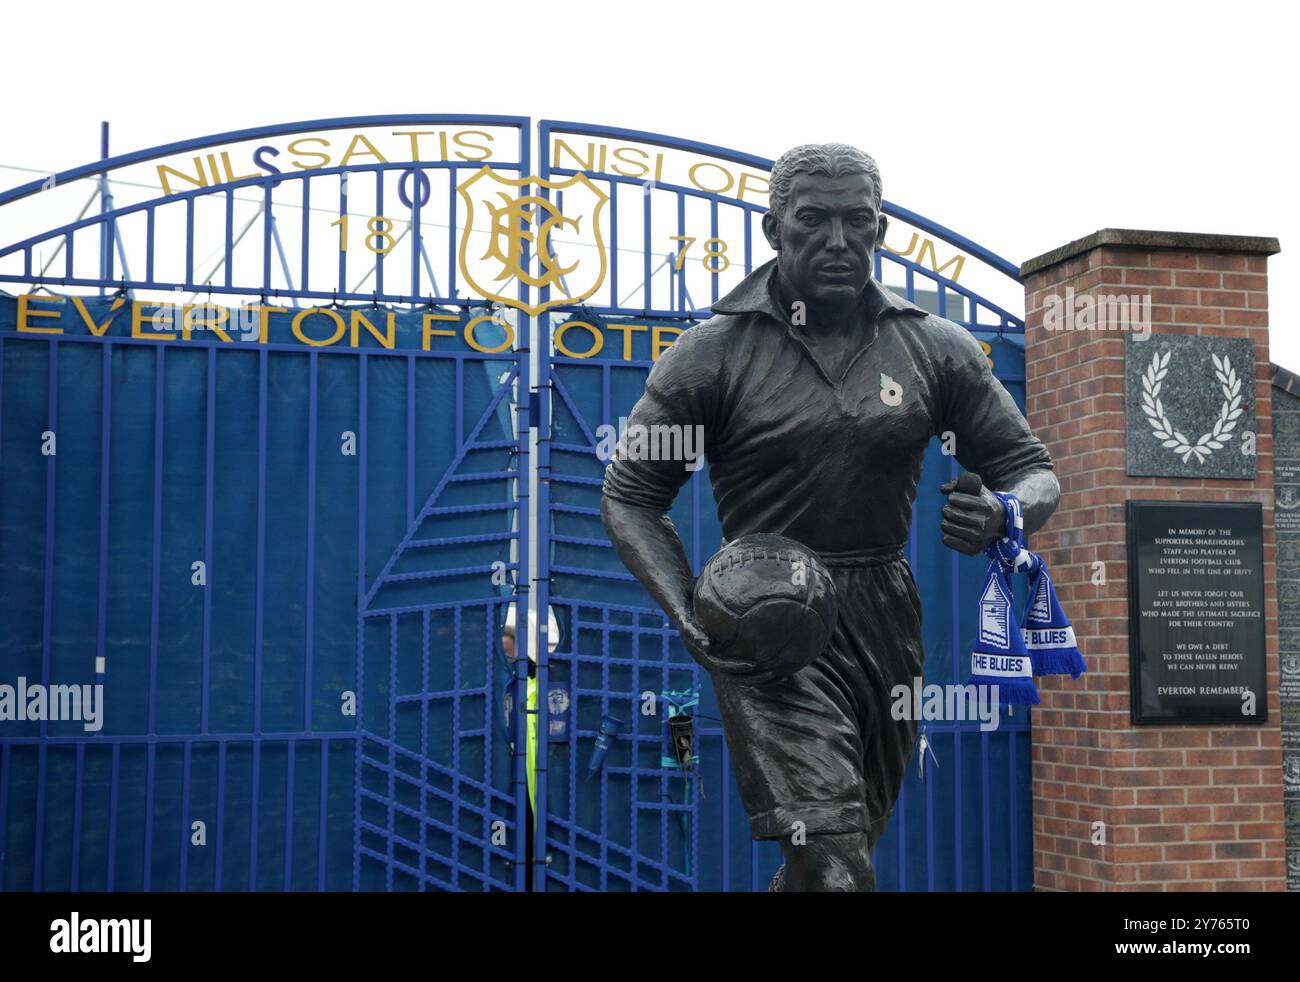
x=927, y=246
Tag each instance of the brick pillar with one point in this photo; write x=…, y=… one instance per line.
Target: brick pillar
x=1186, y=807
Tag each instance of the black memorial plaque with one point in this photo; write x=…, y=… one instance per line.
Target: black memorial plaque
x=1196, y=609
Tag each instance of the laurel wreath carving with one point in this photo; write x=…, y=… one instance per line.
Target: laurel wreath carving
x=1163, y=430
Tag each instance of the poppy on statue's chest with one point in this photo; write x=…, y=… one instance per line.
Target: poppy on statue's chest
x=889, y=410
x=880, y=391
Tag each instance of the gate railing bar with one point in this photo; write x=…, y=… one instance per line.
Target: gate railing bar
x=604, y=709
x=324, y=814
x=209, y=507
x=379, y=256
x=410, y=438
x=424, y=717
x=268, y=220
x=713, y=231
x=539, y=472
x=576, y=480
x=416, y=698
x=432, y=574
x=105, y=206
x=279, y=246
x=155, y=601
x=47, y=612
x=505, y=475
x=450, y=540
x=568, y=509
x=189, y=246
x=228, y=244
x=578, y=540
x=188, y=756
x=179, y=739
x=380, y=612
x=391, y=765
x=602, y=574
x=259, y=610
x=987, y=836
x=613, y=238
x=451, y=225
x=305, y=240
x=417, y=245
x=664, y=669
x=288, y=818
x=75, y=873
x=363, y=369
x=344, y=178
x=309, y=602
x=1011, y=812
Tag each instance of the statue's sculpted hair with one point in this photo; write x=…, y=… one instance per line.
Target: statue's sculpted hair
x=831, y=159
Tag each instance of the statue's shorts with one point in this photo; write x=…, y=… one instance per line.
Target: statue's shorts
x=821, y=747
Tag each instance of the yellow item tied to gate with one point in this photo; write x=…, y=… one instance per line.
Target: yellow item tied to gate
x=530, y=743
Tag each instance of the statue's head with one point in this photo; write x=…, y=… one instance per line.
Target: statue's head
x=825, y=221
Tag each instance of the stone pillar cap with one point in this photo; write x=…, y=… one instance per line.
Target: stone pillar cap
x=1132, y=238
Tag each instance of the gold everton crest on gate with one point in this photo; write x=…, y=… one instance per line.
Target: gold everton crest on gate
x=511, y=233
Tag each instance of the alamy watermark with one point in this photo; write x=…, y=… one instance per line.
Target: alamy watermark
x=924, y=703
x=53, y=703
x=102, y=935
x=1127, y=312
x=658, y=441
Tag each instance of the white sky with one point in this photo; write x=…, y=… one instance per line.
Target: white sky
x=1022, y=126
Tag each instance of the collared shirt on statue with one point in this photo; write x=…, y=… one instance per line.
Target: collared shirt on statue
x=833, y=464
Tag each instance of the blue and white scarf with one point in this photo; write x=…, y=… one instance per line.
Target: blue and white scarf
x=1047, y=631
x=1008, y=653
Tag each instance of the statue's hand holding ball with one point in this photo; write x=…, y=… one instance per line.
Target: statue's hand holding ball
x=765, y=607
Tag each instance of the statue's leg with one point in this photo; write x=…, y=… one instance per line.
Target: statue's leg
x=796, y=751
x=826, y=863
x=818, y=757
x=887, y=637
x=796, y=747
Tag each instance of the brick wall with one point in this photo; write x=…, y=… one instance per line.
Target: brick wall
x=1185, y=807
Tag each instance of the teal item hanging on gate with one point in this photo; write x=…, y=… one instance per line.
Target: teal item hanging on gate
x=679, y=701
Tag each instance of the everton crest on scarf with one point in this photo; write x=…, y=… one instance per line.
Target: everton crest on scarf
x=1044, y=636
x=1000, y=657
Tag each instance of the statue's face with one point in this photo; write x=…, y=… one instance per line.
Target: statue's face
x=826, y=237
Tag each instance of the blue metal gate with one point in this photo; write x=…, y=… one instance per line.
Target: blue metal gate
x=321, y=692
x=288, y=553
